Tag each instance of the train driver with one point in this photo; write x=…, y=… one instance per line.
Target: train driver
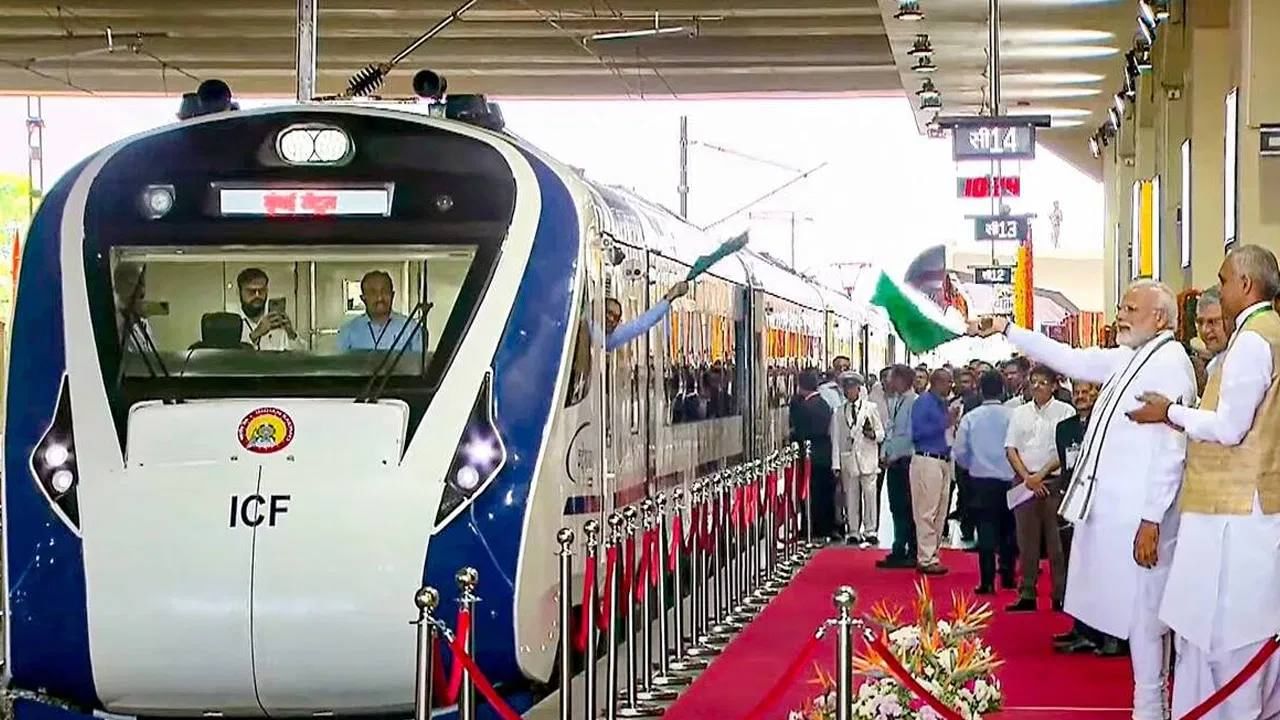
x=262, y=328
x=616, y=336
x=380, y=326
x=130, y=281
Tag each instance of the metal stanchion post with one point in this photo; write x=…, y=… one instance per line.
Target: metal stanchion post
x=727, y=624
x=774, y=572
x=740, y=610
x=633, y=708
x=719, y=631
x=468, y=578
x=760, y=594
x=705, y=644
x=650, y=690
x=844, y=599
x=665, y=677
x=427, y=599
x=799, y=550
x=810, y=545
x=565, y=538
x=685, y=659
x=615, y=598
x=589, y=693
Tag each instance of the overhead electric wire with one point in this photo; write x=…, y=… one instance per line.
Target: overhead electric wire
x=766, y=196
x=550, y=19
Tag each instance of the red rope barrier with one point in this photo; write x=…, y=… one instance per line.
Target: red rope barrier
x=1248, y=671
x=784, y=681
x=450, y=691
x=580, y=640
x=806, y=470
x=905, y=678
x=677, y=541
x=606, y=598
x=485, y=688
x=654, y=540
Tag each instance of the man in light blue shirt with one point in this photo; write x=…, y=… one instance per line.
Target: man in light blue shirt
x=618, y=335
x=380, y=326
x=897, y=452
x=979, y=448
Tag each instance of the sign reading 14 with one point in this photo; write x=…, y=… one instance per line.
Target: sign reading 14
x=995, y=139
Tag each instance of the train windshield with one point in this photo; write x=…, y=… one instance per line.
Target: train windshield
x=202, y=311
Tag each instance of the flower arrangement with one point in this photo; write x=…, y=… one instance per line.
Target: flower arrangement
x=946, y=656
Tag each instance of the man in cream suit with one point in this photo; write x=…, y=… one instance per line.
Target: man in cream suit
x=856, y=434
x=1122, y=491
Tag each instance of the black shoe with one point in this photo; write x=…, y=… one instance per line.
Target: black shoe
x=1057, y=606
x=934, y=569
x=896, y=562
x=1008, y=581
x=1065, y=638
x=984, y=590
x=1023, y=605
x=1079, y=645
x=872, y=540
x=1109, y=648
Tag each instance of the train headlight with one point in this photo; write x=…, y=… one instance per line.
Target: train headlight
x=157, y=201
x=314, y=145
x=479, y=456
x=53, y=462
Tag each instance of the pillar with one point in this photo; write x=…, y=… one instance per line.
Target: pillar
x=1254, y=26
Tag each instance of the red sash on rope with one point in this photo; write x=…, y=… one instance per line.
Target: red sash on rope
x=606, y=598
x=677, y=541
x=483, y=686
x=806, y=470
x=580, y=640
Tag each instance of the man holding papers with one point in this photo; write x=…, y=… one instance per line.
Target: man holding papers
x=1122, y=491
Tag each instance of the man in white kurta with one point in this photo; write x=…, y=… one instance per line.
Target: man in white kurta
x=1121, y=496
x=1223, y=595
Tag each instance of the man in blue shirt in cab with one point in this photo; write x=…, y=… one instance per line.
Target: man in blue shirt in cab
x=931, y=470
x=979, y=449
x=618, y=333
x=380, y=328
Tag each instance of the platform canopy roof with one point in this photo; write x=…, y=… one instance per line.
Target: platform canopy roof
x=1060, y=57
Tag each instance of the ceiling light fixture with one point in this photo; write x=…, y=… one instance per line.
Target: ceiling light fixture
x=1147, y=13
x=924, y=65
x=921, y=46
x=1142, y=59
x=1095, y=146
x=1146, y=32
x=1113, y=117
x=1118, y=101
x=928, y=90
x=931, y=103
x=909, y=11
x=1162, y=10
x=656, y=30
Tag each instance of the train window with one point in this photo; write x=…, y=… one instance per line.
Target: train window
x=580, y=369
x=204, y=311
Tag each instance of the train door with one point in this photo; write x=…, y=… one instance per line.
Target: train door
x=626, y=381
x=760, y=407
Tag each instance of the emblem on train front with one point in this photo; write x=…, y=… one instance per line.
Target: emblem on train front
x=266, y=430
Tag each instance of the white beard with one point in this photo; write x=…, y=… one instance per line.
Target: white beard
x=1134, y=339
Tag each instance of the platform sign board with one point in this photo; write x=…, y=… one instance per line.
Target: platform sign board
x=1003, y=302
x=995, y=141
x=993, y=275
x=988, y=187
x=1009, y=228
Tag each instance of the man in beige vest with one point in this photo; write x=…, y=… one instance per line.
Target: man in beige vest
x=1223, y=594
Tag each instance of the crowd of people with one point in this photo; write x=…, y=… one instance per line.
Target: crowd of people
x=1147, y=475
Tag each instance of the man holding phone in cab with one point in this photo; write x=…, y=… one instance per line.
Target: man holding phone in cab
x=264, y=324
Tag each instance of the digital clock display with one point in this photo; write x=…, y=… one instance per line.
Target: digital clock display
x=991, y=142
x=1000, y=227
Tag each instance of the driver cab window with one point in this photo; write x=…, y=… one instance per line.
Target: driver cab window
x=291, y=311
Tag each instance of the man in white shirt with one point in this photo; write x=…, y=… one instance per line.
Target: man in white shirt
x=1223, y=597
x=856, y=434
x=1212, y=332
x=1032, y=448
x=1121, y=494
x=262, y=329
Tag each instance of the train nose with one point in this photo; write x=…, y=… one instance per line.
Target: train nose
x=270, y=554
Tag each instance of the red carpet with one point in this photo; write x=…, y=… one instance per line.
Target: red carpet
x=1038, y=684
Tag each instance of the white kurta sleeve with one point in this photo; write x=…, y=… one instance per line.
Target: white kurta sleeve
x=1093, y=365
x=1246, y=374
x=877, y=428
x=1169, y=454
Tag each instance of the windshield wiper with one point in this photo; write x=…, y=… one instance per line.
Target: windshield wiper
x=412, y=324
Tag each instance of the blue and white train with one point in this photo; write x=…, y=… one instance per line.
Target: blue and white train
x=200, y=523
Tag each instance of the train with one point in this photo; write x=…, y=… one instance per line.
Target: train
x=217, y=503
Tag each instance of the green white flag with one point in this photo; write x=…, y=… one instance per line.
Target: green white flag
x=920, y=323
